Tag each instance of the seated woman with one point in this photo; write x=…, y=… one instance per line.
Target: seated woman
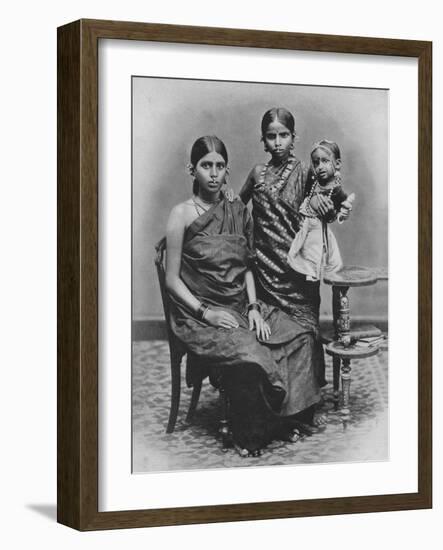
x=263, y=354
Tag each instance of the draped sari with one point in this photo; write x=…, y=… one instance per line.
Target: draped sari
x=275, y=211
x=266, y=381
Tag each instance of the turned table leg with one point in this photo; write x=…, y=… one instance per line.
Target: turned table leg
x=343, y=326
x=335, y=308
x=346, y=385
x=336, y=381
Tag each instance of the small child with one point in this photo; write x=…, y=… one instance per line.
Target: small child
x=315, y=245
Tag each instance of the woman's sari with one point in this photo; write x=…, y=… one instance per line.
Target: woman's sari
x=275, y=210
x=264, y=380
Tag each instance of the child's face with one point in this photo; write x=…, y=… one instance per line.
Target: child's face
x=210, y=173
x=278, y=140
x=325, y=165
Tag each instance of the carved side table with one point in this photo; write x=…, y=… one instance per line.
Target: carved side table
x=341, y=347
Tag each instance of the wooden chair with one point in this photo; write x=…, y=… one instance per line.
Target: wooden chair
x=196, y=371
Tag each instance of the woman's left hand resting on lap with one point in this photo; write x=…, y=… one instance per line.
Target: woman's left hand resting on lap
x=261, y=327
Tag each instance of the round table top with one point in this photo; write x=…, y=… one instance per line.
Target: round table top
x=352, y=275
x=352, y=352
x=381, y=272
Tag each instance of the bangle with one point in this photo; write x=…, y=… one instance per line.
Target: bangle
x=207, y=308
x=202, y=310
x=254, y=306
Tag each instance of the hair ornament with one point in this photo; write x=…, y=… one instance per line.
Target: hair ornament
x=324, y=144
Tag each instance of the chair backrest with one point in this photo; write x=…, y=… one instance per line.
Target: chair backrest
x=175, y=346
x=160, y=249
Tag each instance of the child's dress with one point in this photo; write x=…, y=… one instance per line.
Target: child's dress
x=315, y=246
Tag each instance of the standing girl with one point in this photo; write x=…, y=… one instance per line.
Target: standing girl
x=277, y=190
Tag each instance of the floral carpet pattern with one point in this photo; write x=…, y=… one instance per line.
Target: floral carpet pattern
x=197, y=446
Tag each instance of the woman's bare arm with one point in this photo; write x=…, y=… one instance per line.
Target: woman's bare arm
x=175, y=231
x=250, y=287
x=255, y=319
x=246, y=190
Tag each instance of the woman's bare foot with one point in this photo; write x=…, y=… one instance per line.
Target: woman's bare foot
x=245, y=453
x=294, y=436
x=311, y=428
x=319, y=420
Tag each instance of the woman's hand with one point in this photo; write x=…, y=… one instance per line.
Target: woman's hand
x=261, y=327
x=220, y=318
x=229, y=193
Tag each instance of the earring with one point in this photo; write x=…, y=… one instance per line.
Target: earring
x=190, y=169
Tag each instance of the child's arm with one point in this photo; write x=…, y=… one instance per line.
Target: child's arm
x=345, y=209
x=323, y=205
x=339, y=196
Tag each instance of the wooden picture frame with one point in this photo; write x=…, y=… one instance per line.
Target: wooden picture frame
x=77, y=458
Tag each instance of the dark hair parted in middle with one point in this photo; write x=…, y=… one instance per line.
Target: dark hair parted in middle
x=282, y=115
x=203, y=146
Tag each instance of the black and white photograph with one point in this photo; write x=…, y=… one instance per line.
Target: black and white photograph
x=259, y=274
x=218, y=275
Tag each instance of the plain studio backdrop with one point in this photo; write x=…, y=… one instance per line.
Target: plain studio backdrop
x=28, y=228
x=164, y=130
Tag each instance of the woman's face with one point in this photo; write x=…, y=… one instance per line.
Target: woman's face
x=210, y=173
x=278, y=139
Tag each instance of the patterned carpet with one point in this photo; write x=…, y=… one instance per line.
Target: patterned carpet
x=196, y=446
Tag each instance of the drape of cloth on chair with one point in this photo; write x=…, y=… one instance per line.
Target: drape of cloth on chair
x=265, y=381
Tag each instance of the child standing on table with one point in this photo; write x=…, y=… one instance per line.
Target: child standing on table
x=315, y=246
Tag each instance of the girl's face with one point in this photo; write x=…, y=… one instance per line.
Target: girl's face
x=210, y=173
x=278, y=140
x=324, y=165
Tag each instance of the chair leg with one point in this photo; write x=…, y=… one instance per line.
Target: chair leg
x=224, y=425
x=194, y=400
x=175, y=393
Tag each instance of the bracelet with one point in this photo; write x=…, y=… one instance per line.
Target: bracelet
x=205, y=312
x=202, y=310
x=254, y=306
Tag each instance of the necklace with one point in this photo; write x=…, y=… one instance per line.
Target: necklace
x=314, y=187
x=306, y=205
x=203, y=205
x=283, y=176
